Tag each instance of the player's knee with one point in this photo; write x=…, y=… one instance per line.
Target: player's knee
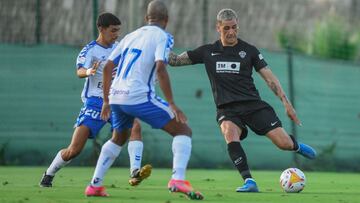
x=136, y=131
x=285, y=144
x=176, y=128
x=188, y=131
x=70, y=153
x=230, y=132
x=183, y=130
x=120, y=137
x=227, y=132
x=227, y=127
x=136, y=126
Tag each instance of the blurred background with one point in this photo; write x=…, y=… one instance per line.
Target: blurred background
x=311, y=45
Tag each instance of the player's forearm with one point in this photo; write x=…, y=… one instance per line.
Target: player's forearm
x=179, y=60
x=81, y=73
x=275, y=86
x=164, y=83
x=107, y=80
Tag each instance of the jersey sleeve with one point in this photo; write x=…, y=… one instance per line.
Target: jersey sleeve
x=258, y=60
x=116, y=54
x=163, y=48
x=196, y=55
x=84, y=58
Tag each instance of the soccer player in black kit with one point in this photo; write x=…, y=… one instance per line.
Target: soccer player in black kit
x=229, y=64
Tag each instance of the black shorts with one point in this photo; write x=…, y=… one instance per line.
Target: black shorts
x=259, y=116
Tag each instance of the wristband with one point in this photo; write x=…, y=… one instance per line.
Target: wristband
x=88, y=71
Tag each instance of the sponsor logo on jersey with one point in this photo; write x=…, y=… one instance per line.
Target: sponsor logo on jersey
x=119, y=92
x=227, y=67
x=242, y=54
x=100, y=85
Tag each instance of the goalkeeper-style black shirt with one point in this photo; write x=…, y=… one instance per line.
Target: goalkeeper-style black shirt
x=230, y=70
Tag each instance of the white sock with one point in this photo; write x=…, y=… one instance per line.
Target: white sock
x=56, y=164
x=109, y=152
x=181, y=147
x=135, y=149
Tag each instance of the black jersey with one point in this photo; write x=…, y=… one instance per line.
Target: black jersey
x=230, y=70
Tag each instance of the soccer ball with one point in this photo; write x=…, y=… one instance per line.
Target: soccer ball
x=292, y=180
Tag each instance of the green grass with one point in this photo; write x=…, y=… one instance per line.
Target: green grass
x=20, y=185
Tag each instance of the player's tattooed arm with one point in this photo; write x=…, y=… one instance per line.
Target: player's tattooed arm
x=179, y=60
x=275, y=86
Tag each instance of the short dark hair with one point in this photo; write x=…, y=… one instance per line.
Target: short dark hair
x=107, y=19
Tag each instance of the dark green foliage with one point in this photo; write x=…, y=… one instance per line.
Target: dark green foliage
x=295, y=40
x=331, y=39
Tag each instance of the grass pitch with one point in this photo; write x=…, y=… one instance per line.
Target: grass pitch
x=20, y=185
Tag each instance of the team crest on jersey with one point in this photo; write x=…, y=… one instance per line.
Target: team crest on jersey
x=242, y=54
x=261, y=57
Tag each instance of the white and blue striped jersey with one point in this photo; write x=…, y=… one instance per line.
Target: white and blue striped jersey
x=91, y=53
x=135, y=58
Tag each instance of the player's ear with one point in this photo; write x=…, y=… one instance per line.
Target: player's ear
x=100, y=29
x=218, y=27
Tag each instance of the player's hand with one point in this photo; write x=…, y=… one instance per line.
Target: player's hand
x=179, y=115
x=291, y=113
x=93, y=69
x=105, y=111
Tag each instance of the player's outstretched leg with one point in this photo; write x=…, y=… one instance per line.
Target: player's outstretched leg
x=184, y=186
x=139, y=175
x=306, y=151
x=46, y=180
x=249, y=186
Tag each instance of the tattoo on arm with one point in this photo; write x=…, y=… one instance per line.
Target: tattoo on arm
x=278, y=92
x=179, y=60
x=274, y=84
x=274, y=88
x=284, y=97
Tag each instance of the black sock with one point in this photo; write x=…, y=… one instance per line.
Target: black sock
x=238, y=157
x=296, y=145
